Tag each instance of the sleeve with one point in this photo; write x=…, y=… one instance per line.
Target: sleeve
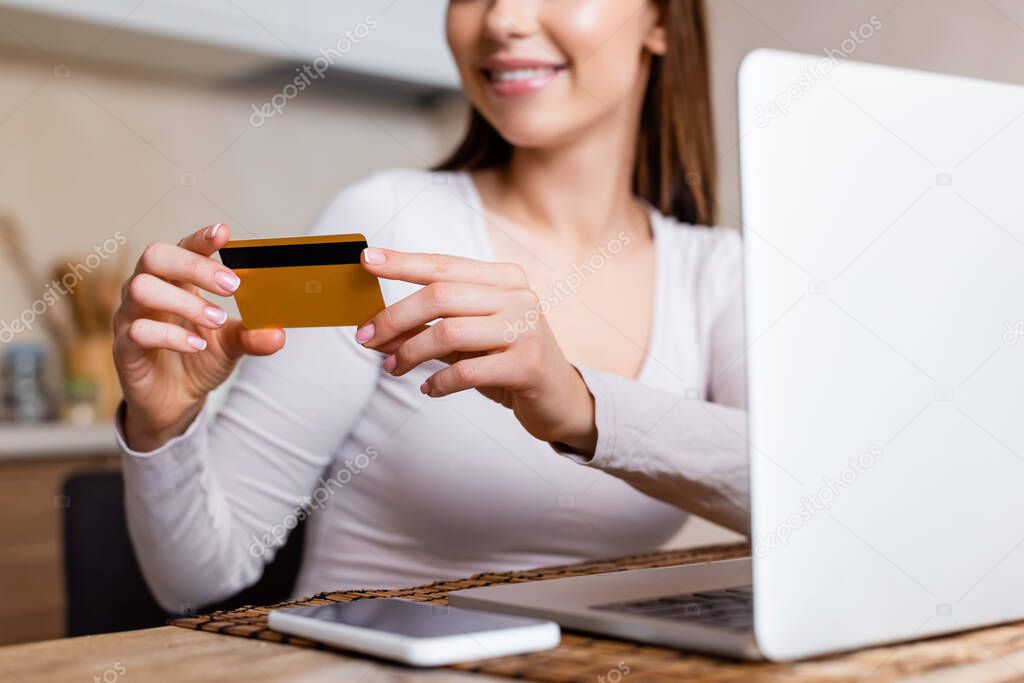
x=688, y=451
x=207, y=510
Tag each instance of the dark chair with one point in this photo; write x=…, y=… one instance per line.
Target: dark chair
x=104, y=585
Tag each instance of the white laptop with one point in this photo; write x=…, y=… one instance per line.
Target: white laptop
x=883, y=217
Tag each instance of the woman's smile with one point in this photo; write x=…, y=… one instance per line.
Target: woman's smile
x=517, y=76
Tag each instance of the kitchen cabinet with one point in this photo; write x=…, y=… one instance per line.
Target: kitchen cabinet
x=398, y=40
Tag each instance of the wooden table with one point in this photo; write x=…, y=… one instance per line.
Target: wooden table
x=169, y=654
x=173, y=654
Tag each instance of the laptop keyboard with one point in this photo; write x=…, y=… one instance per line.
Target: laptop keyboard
x=731, y=609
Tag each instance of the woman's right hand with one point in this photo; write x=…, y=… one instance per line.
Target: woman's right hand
x=172, y=347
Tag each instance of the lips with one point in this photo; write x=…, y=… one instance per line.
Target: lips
x=511, y=77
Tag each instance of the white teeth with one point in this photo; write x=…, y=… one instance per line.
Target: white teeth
x=522, y=74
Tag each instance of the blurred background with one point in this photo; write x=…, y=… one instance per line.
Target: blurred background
x=124, y=122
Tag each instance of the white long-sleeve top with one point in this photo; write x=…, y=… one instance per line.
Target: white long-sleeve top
x=401, y=489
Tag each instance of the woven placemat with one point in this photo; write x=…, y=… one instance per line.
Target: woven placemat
x=590, y=659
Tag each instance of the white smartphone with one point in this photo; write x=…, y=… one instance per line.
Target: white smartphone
x=417, y=633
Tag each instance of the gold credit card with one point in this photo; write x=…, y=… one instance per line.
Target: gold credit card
x=313, y=281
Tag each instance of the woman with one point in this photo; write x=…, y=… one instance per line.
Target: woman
x=557, y=252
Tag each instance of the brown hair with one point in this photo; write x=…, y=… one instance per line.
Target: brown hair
x=675, y=147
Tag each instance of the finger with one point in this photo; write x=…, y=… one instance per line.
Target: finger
x=423, y=269
x=237, y=340
x=175, y=263
x=390, y=347
x=437, y=300
x=144, y=333
x=148, y=293
x=481, y=372
x=206, y=241
x=441, y=340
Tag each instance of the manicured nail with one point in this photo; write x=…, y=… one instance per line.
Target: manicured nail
x=227, y=280
x=425, y=388
x=364, y=333
x=196, y=343
x=390, y=362
x=215, y=315
x=374, y=257
x=212, y=232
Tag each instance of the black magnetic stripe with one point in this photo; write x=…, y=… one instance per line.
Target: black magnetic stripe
x=290, y=255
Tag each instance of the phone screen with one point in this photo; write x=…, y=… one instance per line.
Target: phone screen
x=412, y=619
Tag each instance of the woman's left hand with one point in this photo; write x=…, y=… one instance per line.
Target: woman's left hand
x=490, y=332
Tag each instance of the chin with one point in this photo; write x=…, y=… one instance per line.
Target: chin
x=534, y=130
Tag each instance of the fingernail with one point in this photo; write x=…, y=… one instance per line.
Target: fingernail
x=215, y=315
x=390, y=362
x=425, y=388
x=196, y=343
x=212, y=234
x=227, y=280
x=374, y=257
x=364, y=333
